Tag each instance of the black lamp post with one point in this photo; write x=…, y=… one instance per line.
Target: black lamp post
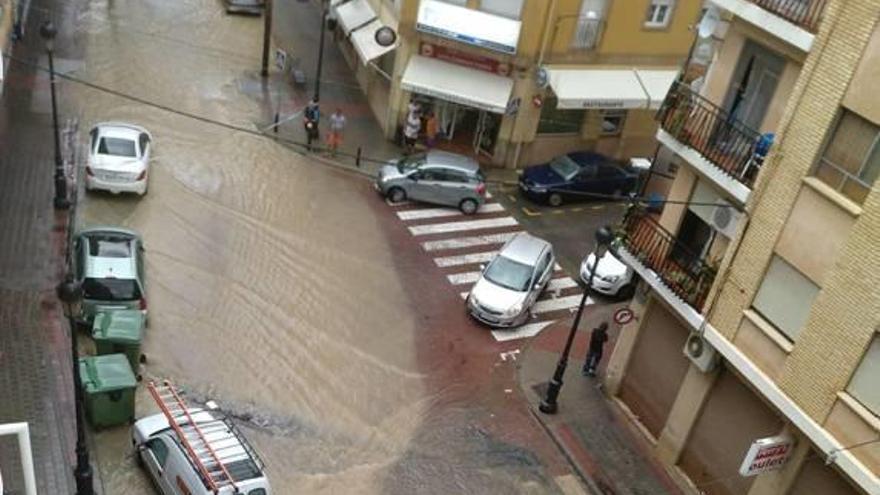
x=324, y=4
x=604, y=236
x=267, y=34
x=48, y=32
x=70, y=293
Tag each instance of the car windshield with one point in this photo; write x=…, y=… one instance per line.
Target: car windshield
x=117, y=147
x=111, y=289
x=565, y=167
x=411, y=162
x=510, y=274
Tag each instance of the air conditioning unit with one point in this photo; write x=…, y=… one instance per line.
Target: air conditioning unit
x=725, y=220
x=701, y=353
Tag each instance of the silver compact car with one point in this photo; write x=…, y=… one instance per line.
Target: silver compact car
x=436, y=177
x=512, y=282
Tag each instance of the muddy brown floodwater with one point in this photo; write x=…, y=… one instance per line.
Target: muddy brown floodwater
x=271, y=289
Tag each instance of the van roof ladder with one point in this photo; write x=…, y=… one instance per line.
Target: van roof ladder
x=191, y=437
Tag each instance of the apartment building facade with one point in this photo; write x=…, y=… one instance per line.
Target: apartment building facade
x=758, y=310
x=517, y=82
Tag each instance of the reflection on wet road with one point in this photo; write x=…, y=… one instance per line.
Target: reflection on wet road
x=273, y=286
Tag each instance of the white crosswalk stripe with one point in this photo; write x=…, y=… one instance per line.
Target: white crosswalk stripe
x=558, y=303
x=423, y=213
x=407, y=202
x=465, y=259
x=466, y=242
x=520, y=332
x=443, y=228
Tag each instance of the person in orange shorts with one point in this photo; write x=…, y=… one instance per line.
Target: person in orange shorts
x=337, y=125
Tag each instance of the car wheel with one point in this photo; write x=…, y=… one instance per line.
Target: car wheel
x=396, y=195
x=468, y=206
x=627, y=291
x=555, y=199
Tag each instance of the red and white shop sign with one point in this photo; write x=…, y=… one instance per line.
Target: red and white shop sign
x=767, y=454
x=458, y=57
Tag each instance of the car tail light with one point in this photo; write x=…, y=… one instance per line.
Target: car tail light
x=142, y=175
x=481, y=188
x=89, y=172
x=143, y=304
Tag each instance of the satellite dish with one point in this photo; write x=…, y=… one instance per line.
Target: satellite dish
x=709, y=22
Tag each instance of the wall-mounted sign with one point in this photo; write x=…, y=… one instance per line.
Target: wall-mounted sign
x=513, y=106
x=542, y=78
x=481, y=29
x=767, y=454
x=280, y=59
x=466, y=59
x=537, y=101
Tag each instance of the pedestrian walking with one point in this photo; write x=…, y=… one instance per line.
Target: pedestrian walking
x=411, y=131
x=337, y=124
x=311, y=117
x=594, y=354
x=431, y=128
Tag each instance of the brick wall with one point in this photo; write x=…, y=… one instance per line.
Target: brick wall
x=847, y=311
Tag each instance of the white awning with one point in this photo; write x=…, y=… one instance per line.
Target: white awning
x=354, y=14
x=610, y=88
x=364, y=41
x=657, y=84
x=457, y=84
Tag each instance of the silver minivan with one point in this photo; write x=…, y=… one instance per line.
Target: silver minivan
x=512, y=282
x=435, y=177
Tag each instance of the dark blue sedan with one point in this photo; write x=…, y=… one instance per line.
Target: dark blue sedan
x=577, y=176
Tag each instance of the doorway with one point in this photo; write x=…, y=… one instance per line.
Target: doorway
x=694, y=240
x=466, y=130
x=753, y=84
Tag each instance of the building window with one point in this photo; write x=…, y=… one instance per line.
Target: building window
x=785, y=298
x=506, y=8
x=851, y=160
x=659, y=13
x=589, y=24
x=863, y=385
x=556, y=121
x=612, y=122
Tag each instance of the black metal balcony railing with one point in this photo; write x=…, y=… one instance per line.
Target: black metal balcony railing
x=720, y=137
x=685, y=273
x=804, y=13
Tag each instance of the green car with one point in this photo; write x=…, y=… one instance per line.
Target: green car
x=110, y=266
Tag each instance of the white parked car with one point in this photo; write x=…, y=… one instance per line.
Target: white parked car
x=175, y=470
x=613, y=277
x=512, y=282
x=119, y=158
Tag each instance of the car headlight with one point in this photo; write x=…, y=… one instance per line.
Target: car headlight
x=611, y=278
x=514, y=310
x=538, y=189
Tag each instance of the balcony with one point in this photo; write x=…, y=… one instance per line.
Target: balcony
x=794, y=21
x=733, y=150
x=683, y=272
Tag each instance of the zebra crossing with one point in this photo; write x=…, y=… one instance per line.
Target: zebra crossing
x=459, y=244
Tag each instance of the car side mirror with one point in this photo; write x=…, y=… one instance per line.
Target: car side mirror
x=413, y=177
x=482, y=268
x=537, y=286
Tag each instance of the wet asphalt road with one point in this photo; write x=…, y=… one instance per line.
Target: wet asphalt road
x=289, y=292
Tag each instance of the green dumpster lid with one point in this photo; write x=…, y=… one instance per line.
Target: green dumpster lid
x=124, y=326
x=106, y=373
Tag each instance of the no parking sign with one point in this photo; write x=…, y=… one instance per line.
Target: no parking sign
x=623, y=316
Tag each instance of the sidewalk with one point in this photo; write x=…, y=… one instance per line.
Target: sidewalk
x=297, y=27
x=599, y=440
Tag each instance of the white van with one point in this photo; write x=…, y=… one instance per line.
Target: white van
x=199, y=452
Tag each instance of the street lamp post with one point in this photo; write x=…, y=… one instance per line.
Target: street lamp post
x=70, y=293
x=324, y=21
x=549, y=405
x=267, y=34
x=48, y=32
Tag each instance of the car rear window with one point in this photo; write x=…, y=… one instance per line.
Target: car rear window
x=111, y=289
x=110, y=247
x=117, y=147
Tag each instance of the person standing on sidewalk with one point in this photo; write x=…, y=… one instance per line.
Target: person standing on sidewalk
x=594, y=354
x=430, y=130
x=337, y=124
x=311, y=116
x=411, y=131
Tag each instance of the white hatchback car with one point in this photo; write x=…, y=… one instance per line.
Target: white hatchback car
x=613, y=277
x=119, y=158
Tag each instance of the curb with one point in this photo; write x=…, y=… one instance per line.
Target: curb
x=585, y=477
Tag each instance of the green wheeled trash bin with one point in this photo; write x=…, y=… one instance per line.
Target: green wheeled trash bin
x=119, y=332
x=108, y=386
